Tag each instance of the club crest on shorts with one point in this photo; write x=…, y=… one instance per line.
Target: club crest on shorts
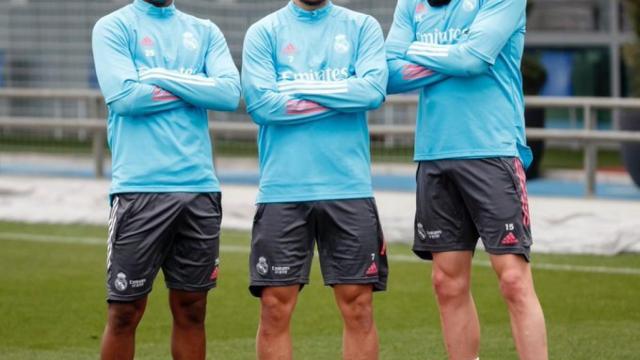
x=421, y=232
x=120, y=282
x=341, y=44
x=262, y=266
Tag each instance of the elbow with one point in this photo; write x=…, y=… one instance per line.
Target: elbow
x=258, y=117
x=234, y=100
x=231, y=100
x=477, y=67
x=392, y=88
x=230, y=104
x=122, y=107
x=376, y=100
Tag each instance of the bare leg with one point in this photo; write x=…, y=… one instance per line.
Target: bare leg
x=189, y=309
x=118, y=340
x=451, y=276
x=274, y=335
x=527, y=320
x=360, y=337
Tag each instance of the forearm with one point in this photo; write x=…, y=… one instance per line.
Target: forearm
x=454, y=60
x=351, y=95
x=407, y=76
x=219, y=94
x=278, y=109
x=143, y=99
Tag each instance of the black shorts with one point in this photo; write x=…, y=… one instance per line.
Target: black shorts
x=459, y=201
x=178, y=232
x=348, y=234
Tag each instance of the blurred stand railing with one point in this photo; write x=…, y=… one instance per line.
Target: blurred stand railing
x=91, y=107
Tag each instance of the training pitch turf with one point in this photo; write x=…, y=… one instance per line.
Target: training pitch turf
x=52, y=304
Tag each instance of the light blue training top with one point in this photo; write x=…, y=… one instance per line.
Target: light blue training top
x=465, y=59
x=160, y=70
x=309, y=77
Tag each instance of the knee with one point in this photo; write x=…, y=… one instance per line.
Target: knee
x=449, y=288
x=124, y=318
x=357, y=311
x=514, y=286
x=190, y=312
x=275, y=311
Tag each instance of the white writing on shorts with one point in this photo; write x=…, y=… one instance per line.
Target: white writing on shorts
x=280, y=270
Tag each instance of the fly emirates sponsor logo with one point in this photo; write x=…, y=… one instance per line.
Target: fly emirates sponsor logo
x=327, y=81
x=442, y=37
x=335, y=74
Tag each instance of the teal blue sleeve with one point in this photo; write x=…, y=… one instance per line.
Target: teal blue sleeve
x=265, y=103
x=362, y=92
x=494, y=25
x=217, y=89
x=118, y=78
x=405, y=75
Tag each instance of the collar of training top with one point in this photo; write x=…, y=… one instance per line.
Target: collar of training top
x=317, y=14
x=153, y=10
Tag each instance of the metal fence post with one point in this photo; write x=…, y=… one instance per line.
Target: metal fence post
x=98, y=139
x=590, y=154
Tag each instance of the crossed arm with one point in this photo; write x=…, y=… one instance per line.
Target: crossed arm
x=271, y=102
x=414, y=64
x=404, y=74
x=129, y=93
x=265, y=103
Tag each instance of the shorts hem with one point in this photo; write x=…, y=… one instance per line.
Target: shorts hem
x=426, y=253
x=191, y=288
x=525, y=252
x=127, y=298
x=255, y=287
x=378, y=283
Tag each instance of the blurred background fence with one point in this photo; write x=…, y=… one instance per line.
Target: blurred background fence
x=45, y=44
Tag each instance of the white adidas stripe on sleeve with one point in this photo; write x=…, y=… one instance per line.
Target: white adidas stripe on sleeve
x=313, y=87
x=170, y=75
x=426, y=49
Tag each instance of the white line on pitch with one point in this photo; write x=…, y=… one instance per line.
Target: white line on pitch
x=543, y=266
x=395, y=258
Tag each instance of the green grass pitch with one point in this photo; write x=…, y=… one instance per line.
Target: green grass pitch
x=52, y=304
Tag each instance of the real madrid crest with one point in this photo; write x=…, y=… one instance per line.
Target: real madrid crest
x=120, y=282
x=262, y=267
x=341, y=44
x=469, y=5
x=189, y=41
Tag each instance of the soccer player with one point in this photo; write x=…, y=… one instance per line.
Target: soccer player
x=160, y=70
x=311, y=70
x=464, y=57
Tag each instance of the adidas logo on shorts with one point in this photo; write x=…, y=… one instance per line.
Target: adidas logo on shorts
x=510, y=239
x=372, y=270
